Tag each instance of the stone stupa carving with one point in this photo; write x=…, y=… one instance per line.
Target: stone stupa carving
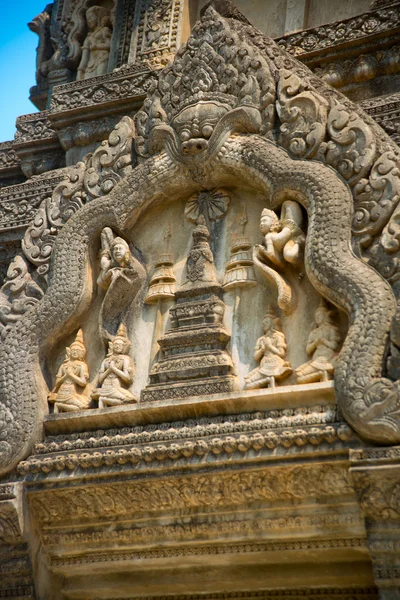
x=194, y=358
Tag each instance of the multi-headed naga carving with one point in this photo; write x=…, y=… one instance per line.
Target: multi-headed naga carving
x=208, y=122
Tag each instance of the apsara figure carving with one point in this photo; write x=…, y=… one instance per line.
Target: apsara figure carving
x=71, y=381
x=269, y=351
x=96, y=47
x=116, y=373
x=121, y=275
x=322, y=345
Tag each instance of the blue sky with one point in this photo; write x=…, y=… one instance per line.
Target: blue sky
x=17, y=61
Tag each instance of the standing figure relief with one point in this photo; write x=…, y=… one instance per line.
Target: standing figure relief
x=122, y=276
x=322, y=346
x=269, y=351
x=284, y=242
x=116, y=373
x=96, y=47
x=71, y=380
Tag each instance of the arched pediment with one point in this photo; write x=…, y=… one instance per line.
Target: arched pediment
x=234, y=109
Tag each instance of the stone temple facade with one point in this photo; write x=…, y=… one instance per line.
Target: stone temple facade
x=200, y=276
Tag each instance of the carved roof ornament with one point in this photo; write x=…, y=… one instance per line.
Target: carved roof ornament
x=196, y=131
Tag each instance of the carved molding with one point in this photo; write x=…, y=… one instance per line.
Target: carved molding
x=19, y=203
x=357, y=28
x=348, y=75
x=156, y=496
x=243, y=423
x=222, y=447
x=386, y=112
x=34, y=127
x=124, y=84
x=8, y=157
x=156, y=33
x=194, y=530
x=117, y=556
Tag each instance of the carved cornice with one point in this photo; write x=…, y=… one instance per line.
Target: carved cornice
x=122, y=86
x=8, y=158
x=386, y=112
x=19, y=203
x=135, y=497
x=359, y=29
x=365, y=456
x=223, y=447
x=252, y=435
x=34, y=127
x=117, y=556
x=230, y=424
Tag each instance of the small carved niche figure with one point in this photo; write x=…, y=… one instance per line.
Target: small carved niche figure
x=269, y=351
x=96, y=47
x=71, y=380
x=116, y=373
x=322, y=345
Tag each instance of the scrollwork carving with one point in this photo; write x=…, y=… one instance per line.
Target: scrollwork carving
x=303, y=115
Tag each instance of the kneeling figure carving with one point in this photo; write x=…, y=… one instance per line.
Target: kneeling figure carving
x=269, y=351
x=116, y=373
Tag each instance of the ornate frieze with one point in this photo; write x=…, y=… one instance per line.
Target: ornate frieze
x=19, y=203
x=8, y=157
x=126, y=85
x=33, y=127
x=224, y=489
x=349, y=74
x=249, y=445
x=297, y=546
x=37, y=145
x=325, y=37
x=157, y=533
x=157, y=31
x=386, y=111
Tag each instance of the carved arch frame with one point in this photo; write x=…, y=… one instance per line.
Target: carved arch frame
x=330, y=263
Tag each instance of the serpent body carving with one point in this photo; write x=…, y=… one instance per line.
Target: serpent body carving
x=331, y=265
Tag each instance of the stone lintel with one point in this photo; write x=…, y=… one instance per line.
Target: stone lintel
x=292, y=396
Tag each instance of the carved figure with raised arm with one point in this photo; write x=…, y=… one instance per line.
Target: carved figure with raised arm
x=284, y=242
x=116, y=373
x=96, y=47
x=322, y=345
x=283, y=238
x=71, y=380
x=269, y=351
x=116, y=259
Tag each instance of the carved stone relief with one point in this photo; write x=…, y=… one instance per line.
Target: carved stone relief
x=72, y=378
x=157, y=31
x=212, y=127
x=97, y=44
